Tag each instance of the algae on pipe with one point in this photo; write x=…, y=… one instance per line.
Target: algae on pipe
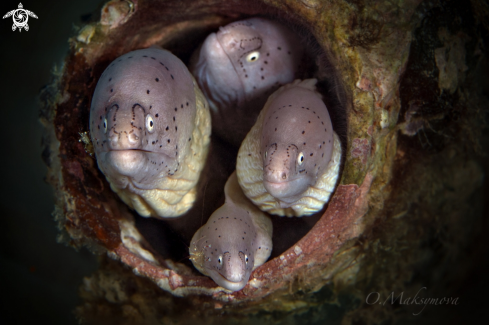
x=289, y=162
x=236, y=239
x=240, y=66
x=150, y=129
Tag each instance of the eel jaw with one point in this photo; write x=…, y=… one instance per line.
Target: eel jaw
x=228, y=284
x=126, y=162
x=287, y=191
x=134, y=166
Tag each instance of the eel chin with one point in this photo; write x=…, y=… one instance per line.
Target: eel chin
x=138, y=167
x=287, y=191
x=227, y=284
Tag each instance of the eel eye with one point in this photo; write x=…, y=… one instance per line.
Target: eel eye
x=149, y=123
x=253, y=56
x=300, y=158
x=105, y=125
x=246, y=259
x=219, y=260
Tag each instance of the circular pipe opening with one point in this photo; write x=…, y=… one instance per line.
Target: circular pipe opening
x=92, y=214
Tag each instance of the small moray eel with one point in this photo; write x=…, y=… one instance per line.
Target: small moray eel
x=150, y=128
x=289, y=162
x=242, y=64
x=236, y=239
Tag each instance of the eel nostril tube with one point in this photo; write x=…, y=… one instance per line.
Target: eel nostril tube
x=114, y=139
x=133, y=138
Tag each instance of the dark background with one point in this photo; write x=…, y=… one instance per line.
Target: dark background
x=39, y=278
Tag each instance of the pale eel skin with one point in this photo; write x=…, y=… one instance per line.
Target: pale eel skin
x=236, y=239
x=289, y=162
x=150, y=128
x=242, y=64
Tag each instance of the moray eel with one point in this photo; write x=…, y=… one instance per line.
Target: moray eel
x=238, y=67
x=236, y=239
x=150, y=128
x=289, y=162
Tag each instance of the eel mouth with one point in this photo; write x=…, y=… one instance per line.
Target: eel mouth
x=128, y=153
x=230, y=285
x=134, y=166
x=130, y=149
x=287, y=191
